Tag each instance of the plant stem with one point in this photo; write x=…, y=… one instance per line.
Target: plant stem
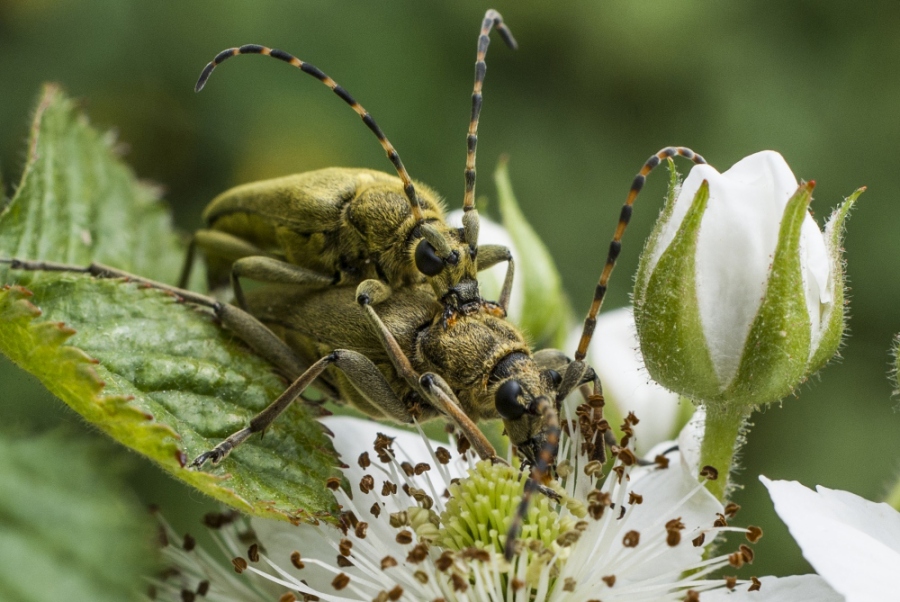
x=721, y=439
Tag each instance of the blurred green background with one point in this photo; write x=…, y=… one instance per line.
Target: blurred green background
x=594, y=89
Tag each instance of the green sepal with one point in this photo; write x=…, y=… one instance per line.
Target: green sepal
x=68, y=528
x=159, y=376
x=546, y=312
x=642, y=278
x=776, y=352
x=835, y=319
x=667, y=315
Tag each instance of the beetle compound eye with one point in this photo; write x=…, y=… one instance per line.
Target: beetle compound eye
x=507, y=400
x=427, y=260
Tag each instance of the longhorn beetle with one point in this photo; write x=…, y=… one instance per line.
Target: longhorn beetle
x=388, y=353
x=342, y=226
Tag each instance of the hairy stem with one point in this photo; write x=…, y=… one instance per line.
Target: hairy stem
x=721, y=440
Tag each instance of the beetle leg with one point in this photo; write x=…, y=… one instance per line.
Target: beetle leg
x=441, y=396
x=221, y=249
x=491, y=255
x=275, y=271
x=360, y=371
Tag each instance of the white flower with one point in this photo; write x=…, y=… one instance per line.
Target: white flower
x=739, y=295
x=637, y=535
x=627, y=386
x=853, y=544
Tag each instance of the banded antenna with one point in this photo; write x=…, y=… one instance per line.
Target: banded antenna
x=409, y=188
x=615, y=247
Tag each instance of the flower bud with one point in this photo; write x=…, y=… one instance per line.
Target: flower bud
x=739, y=295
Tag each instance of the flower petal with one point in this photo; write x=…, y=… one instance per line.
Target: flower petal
x=852, y=543
x=798, y=588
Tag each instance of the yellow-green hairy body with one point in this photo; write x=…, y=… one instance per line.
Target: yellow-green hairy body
x=346, y=224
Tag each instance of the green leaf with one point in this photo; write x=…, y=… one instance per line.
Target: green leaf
x=159, y=376
x=68, y=531
x=546, y=313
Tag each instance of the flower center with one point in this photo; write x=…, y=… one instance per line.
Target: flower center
x=481, y=507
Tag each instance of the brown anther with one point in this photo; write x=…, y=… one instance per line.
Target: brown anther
x=462, y=444
x=287, y=597
x=593, y=468
x=568, y=538
x=395, y=594
x=731, y=509
x=421, y=577
x=621, y=513
x=240, y=565
x=375, y=509
x=388, y=488
x=569, y=585
x=754, y=534
x=609, y=580
x=692, y=596
x=388, y=562
x=720, y=521
x=383, y=449
x=476, y=554
x=595, y=401
x=348, y=520
x=333, y=483
x=661, y=462
x=404, y=537
x=345, y=547
x=635, y=498
x=596, y=511
x=581, y=526
x=444, y=562
x=620, y=472
x=189, y=543
x=459, y=584
x=517, y=584
x=755, y=586
x=730, y=582
x=736, y=560
x=421, y=467
x=187, y=595
x=399, y=519
x=627, y=457
x=361, y=529
x=341, y=581
x=443, y=455
x=417, y=554
x=631, y=539
x=673, y=538
x=632, y=418
x=344, y=562
x=203, y=588
x=698, y=541
x=253, y=553
x=296, y=561
x=364, y=460
x=747, y=553
x=407, y=469
x=367, y=483
x=709, y=472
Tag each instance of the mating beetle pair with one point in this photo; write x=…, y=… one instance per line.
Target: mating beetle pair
x=363, y=275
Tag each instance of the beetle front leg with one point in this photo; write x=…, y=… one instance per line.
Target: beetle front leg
x=274, y=271
x=491, y=255
x=361, y=373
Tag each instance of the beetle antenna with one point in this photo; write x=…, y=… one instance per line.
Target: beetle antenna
x=492, y=20
x=408, y=187
x=616, y=245
x=539, y=472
